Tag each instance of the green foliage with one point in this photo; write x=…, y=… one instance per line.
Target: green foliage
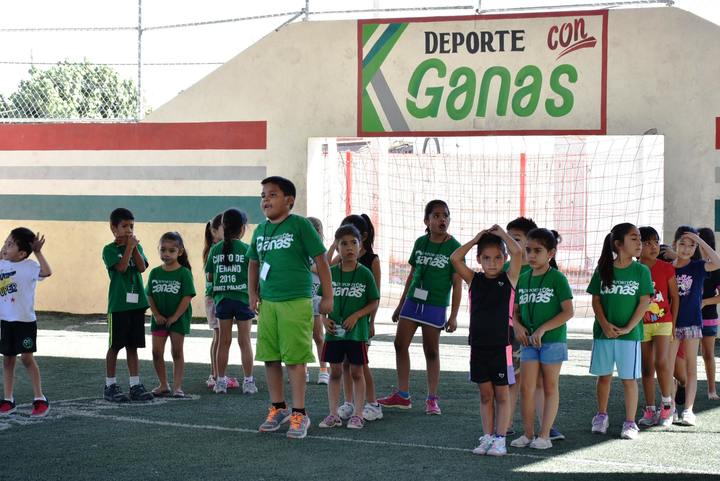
x=72, y=91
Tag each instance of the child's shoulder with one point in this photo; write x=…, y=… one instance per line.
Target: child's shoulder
x=453, y=242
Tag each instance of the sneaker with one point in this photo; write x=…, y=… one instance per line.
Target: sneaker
x=395, y=400
x=630, y=430
x=40, y=408
x=648, y=418
x=665, y=417
x=139, y=393
x=372, y=413
x=510, y=431
x=221, y=385
x=299, y=424
x=498, y=447
x=680, y=395
x=676, y=417
x=330, y=421
x=114, y=394
x=7, y=407
x=323, y=377
x=540, y=443
x=233, y=383
x=600, y=423
x=521, y=442
x=355, y=422
x=210, y=383
x=431, y=406
x=249, y=387
x=485, y=442
x=556, y=435
x=275, y=418
x=688, y=418
x=346, y=410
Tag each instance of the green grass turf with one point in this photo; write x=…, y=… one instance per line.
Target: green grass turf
x=213, y=436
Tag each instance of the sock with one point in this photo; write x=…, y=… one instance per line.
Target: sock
x=109, y=381
x=651, y=408
x=12, y=399
x=667, y=402
x=600, y=413
x=134, y=380
x=248, y=379
x=404, y=394
x=41, y=398
x=323, y=369
x=299, y=410
x=500, y=436
x=280, y=405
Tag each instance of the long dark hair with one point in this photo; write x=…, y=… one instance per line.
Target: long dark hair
x=430, y=206
x=605, y=263
x=679, y=233
x=547, y=238
x=233, y=221
x=708, y=235
x=363, y=224
x=183, y=259
x=215, y=223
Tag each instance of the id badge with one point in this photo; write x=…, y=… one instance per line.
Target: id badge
x=132, y=298
x=421, y=294
x=264, y=270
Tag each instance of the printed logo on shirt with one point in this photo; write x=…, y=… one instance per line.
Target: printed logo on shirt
x=346, y=289
x=654, y=311
x=431, y=259
x=685, y=282
x=236, y=262
x=165, y=286
x=281, y=241
x=7, y=286
x=623, y=288
x=536, y=295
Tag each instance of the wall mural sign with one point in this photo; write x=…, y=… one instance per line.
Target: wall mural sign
x=542, y=73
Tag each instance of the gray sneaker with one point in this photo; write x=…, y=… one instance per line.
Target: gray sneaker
x=346, y=410
x=139, y=393
x=221, y=385
x=299, y=424
x=249, y=387
x=276, y=418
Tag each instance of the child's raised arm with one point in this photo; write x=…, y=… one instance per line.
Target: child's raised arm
x=37, y=245
x=712, y=259
x=458, y=258
x=515, y=250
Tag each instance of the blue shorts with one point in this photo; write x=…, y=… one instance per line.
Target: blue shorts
x=548, y=353
x=608, y=353
x=426, y=314
x=233, y=309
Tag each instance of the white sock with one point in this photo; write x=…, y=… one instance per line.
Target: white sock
x=109, y=381
x=652, y=408
x=249, y=379
x=41, y=398
x=667, y=401
x=134, y=380
x=12, y=399
x=224, y=378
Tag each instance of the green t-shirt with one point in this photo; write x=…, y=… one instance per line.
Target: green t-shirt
x=124, y=283
x=351, y=292
x=523, y=269
x=283, y=251
x=621, y=299
x=539, y=298
x=167, y=288
x=230, y=281
x=433, y=270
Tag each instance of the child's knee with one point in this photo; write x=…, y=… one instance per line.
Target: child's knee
x=356, y=372
x=157, y=354
x=177, y=353
x=336, y=372
x=27, y=359
x=431, y=352
x=648, y=370
x=8, y=361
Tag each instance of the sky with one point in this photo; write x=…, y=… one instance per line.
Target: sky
x=174, y=59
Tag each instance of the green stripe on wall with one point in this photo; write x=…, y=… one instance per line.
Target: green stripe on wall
x=95, y=208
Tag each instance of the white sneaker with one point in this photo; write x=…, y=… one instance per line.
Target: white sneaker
x=630, y=430
x=485, y=443
x=688, y=418
x=210, y=383
x=521, y=442
x=346, y=410
x=676, y=419
x=498, y=447
x=249, y=387
x=372, y=413
x=220, y=385
x=600, y=423
x=540, y=443
x=323, y=377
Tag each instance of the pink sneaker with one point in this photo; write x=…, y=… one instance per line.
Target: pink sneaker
x=431, y=406
x=648, y=418
x=233, y=383
x=395, y=400
x=665, y=418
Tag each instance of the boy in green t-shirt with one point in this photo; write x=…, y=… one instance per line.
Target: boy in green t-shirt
x=127, y=302
x=348, y=325
x=279, y=282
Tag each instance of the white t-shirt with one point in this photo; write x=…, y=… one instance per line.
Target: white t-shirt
x=17, y=290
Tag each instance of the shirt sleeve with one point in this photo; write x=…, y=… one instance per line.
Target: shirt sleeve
x=411, y=261
x=594, y=286
x=110, y=257
x=372, y=290
x=188, y=285
x=209, y=268
x=142, y=254
x=252, y=252
x=148, y=287
x=562, y=287
x=311, y=239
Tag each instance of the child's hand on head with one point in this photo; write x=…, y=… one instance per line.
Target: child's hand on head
x=38, y=243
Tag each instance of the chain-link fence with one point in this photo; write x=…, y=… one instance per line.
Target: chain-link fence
x=116, y=61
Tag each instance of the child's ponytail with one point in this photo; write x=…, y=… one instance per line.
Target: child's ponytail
x=607, y=256
x=183, y=259
x=370, y=238
x=215, y=223
x=233, y=221
x=547, y=238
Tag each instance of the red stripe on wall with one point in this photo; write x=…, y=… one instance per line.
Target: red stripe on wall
x=135, y=136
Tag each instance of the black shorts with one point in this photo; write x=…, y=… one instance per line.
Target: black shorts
x=17, y=337
x=127, y=329
x=335, y=352
x=233, y=309
x=490, y=364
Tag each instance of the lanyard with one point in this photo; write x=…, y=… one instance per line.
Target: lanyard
x=531, y=305
x=424, y=268
x=277, y=226
x=345, y=298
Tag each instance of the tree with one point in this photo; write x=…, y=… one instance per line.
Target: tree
x=72, y=91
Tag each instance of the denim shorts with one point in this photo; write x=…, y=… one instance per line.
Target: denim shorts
x=548, y=353
x=233, y=309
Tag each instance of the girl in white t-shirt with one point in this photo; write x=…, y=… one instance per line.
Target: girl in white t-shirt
x=18, y=329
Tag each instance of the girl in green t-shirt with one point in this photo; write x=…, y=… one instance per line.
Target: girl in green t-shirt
x=543, y=305
x=170, y=289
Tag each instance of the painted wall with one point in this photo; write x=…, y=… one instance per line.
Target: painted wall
x=662, y=73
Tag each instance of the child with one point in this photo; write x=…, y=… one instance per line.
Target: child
x=170, y=289
x=542, y=308
x=227, y=269
x=348, y=326
x=658, y=326
x=18, y=329
x=280, y=277
x=213, y=235
x=318, y=321
x=710, y=317
x=372, y=410
x=125, y=262
x=691, y=273
x=621, y=290
x=491, y=301
x=424, y=303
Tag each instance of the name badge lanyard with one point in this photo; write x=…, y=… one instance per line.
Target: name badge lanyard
x=130, y=296
x=531, y=305
x=277, y=226
x=424, y=268
x=345, y=298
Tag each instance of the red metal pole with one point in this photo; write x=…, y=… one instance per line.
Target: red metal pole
x=348, y=182
x=523, y=169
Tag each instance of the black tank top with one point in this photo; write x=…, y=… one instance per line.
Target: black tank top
x=367, y=259
x=491, y=304
x=712, y=282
